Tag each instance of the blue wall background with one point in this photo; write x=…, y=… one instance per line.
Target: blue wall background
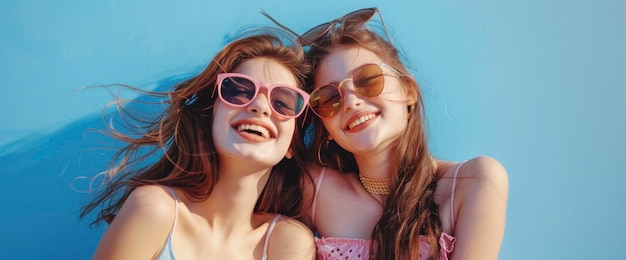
x=539, y=85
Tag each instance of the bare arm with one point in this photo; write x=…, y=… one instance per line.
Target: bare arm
x=481, y=202
x=291, y=240
x=141, y=227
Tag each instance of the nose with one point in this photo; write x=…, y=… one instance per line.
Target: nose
x=351, y=99
x=260, y=104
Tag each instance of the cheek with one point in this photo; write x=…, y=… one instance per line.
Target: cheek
x=290, y=129
x=286, y=135
x=220, y=126
x=395, y=91
x=332, y=124
x=219, y=114
x=217, y=132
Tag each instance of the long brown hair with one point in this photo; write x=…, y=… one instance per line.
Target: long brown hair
x=410, y=210
x=180, y=139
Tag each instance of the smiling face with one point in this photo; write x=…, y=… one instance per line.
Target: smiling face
x=363, y=125
x=254, y=132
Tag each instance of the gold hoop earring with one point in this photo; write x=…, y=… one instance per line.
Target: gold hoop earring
x=319, y=153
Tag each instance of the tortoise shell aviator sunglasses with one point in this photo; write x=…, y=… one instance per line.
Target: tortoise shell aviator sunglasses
x=355, y=18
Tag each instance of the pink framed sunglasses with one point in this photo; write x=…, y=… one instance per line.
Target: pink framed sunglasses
x=238, y=90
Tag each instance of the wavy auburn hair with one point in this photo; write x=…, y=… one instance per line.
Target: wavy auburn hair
x=180, y=138
x=410, y=210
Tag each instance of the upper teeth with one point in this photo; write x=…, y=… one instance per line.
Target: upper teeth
x=361, y=120
x=257, y=128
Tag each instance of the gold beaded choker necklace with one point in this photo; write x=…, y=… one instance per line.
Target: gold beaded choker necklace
x=376, y=185
x=381, y=186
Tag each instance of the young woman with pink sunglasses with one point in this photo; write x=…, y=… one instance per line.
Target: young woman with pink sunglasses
x=224, y=170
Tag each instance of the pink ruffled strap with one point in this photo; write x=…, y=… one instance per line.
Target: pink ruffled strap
x=446, y=244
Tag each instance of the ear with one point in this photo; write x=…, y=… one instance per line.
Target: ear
x=289, y=154
x=411, y=102
x=411, y=98
x=411, y=92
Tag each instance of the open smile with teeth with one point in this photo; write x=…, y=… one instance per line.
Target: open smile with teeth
x=361, y=120
x=254, y=129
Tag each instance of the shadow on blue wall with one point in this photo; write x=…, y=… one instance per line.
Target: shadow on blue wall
x=45, y=178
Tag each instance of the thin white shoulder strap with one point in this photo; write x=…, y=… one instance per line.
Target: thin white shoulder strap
x=454, y=181
x=267, y=235
x=175, y=208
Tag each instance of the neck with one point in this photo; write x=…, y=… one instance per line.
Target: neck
x=376, y=165
x=375, y=172
x=231, y=203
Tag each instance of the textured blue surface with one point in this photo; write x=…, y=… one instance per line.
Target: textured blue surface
x=539, y=85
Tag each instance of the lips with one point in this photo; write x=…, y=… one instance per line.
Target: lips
x=255, y=129
x=360, y=120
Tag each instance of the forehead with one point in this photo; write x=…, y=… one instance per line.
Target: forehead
x=266, y=70
x=340, y=63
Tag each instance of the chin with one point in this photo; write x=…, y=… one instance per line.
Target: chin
x=260, y=158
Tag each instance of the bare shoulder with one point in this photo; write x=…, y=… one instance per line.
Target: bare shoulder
x=331, y=180
x=290, y=226
x=323, y=190
x=485, y=170
x=309, y=179
x=141, y=226
x=154, y=200
x=150, y=200
x=480, y=208
x=291, y=239
x=315, y=171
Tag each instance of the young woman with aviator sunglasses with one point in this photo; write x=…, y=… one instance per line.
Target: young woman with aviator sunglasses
x=400, y=203
x=224, y=172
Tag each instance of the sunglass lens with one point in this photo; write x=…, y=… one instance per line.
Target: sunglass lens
x=359, y=16
x=311, y=35
x=325, y=101
x=286, y=101
x=369, y=80
x=237, y=91
x=355, y=18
